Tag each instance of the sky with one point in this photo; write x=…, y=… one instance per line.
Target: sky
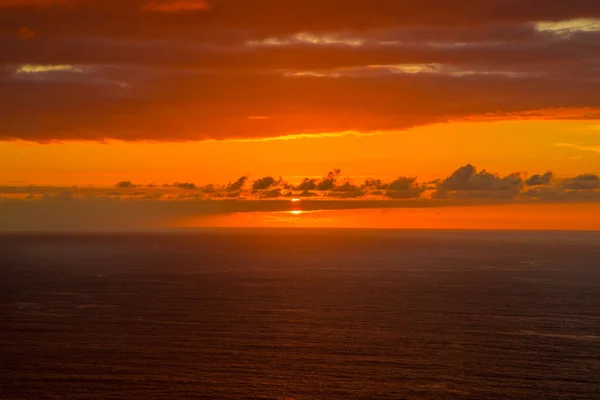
x=181, y=114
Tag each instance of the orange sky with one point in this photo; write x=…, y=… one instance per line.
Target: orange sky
x=431, y=152
x=489, y=108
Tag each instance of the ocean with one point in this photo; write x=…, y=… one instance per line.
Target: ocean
x=300, y=314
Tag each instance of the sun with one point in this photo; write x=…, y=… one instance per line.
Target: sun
x=296, y=212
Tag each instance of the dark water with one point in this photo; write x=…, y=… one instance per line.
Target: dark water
x=300, y=315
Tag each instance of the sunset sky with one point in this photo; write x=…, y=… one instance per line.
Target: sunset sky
x=179, y=114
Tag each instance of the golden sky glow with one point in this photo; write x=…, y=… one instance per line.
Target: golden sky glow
x=565, y=147
x=511, y=217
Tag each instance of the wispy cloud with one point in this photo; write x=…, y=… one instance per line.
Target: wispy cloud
x=569, y=27
x=581, y=147
x=38, y=69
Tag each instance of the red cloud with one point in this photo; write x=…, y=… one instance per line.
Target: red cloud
x=310, y=66
x=175, y=6
x=31, y=3
x=25, y=33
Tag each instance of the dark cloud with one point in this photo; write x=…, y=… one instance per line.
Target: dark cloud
x=220, y=104
x=89, y=208
x=542, y=52
x=328, y=183
x=185, y=185
x=307, y=184
x=210, y=188
x=404, y=188
x=467, y=178
x=401, y=188
x=126, y=185
x=347, y=190
x=272, y=17
x=201, y=69
x=264, y=183
x=61, y=196
x=540, y=180
x=103, y=214
x=582, y=182
x=307, y=193
x=582, y=188
x=237, y=185
x=468, y=183
x=375, y=184
x=271, y=194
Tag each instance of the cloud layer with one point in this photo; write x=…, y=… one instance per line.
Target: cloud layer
x=131, y=206
x=467, y=183
x=204, y=69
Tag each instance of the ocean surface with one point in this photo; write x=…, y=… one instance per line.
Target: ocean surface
x=300, y=314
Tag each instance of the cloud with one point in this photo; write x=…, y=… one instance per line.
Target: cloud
x=306, y=193
x=307, y=184
x=404, y=188
x=329, y=182
x=433, y=51
x=185, y=185
x=569, y=27
x=347, y=190
x=401, y=188
x=582, y=182
x=581, y=188
x=25, y=33
x=104, y=214
x=468, y=183
x=61, y=196
x=175, y=6
x=126, y=185
x=271, y=194
x=275, y=17
x=39, y=208
x=237, y=185
x=581, y=147
x=166, y=102
x=33, y=3
x=210, y=188
x=237, y=66
x=540, y=180
x=375, y=184
x=264, y=183
x=467, y=178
